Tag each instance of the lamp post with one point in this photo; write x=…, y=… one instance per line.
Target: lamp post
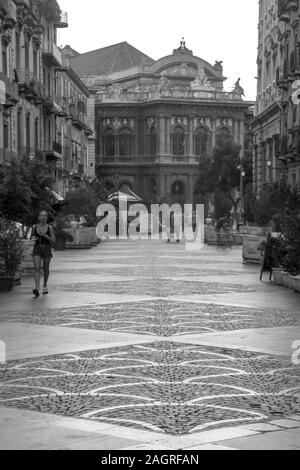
x=242, y=176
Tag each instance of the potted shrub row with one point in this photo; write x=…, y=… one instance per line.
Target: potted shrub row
x=286, y=252
x=11, y=254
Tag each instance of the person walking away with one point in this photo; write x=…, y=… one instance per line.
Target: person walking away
x=44, y=238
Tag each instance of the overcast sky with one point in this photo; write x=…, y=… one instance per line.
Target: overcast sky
x=214, y=30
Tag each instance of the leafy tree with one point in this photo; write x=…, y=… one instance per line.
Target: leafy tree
x=274, y=200
x=81, y=201
x=24, y=192
x=219, y=174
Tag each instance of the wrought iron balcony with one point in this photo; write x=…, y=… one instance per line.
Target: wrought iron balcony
x=52, y=54
x=32, y=153
x=285, y=7
x=4, y=7
x=78, y=116
x=12, y=91
x=62, y=21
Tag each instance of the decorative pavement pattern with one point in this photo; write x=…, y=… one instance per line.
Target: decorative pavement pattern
x=155, y=287
x=155, y=271
x=166, y=387
x=158, y=318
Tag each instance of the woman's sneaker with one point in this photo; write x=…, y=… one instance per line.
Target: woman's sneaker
x=36, y=293
x=45, y=291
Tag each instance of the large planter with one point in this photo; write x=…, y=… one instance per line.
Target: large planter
x=6, y=284
x=27, y=263
x=277, y=276
x=296, y=283
x=82, y=237
x=287, y=280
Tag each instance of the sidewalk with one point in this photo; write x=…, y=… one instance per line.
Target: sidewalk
x=146, y=346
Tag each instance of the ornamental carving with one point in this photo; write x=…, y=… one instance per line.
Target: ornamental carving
x=118, y=123
x=202, y=121
x=179, y=121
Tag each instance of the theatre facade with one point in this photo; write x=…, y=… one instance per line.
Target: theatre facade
x=155, y=120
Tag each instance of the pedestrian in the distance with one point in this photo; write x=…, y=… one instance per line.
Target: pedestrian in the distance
x=44, y=237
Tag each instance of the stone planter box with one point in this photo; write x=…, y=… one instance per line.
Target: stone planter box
x=82, y=237
x=27, y=263
x=277, y=276
x=287, y=280
x=296, y=283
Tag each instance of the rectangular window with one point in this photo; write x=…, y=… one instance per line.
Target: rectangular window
x=5, y=135
x=18, y=52
x=28, y=131
x=4, y=59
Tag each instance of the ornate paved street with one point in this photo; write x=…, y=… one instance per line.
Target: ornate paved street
x=147, y=346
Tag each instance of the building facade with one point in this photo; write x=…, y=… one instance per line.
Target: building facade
x=43, y=110
x=277, y=119
x=154, y=120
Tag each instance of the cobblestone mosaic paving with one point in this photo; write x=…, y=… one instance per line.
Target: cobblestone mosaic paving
x=163, y=261
x=153, y=271
x=166, y=387
x=158, y=318
x=155, y=287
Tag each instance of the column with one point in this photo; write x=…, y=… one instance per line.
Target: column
x=168, y=136
x=214, y=130
x=191, y=152
x=162, y=136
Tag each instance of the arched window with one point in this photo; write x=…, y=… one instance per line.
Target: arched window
x=223, y=136
x=178, y=141
x=109, y=186
x=153, y=142
x=178, y=188
x=109, y=143
x=152, y=186
x=202, y=141
x=126, y=143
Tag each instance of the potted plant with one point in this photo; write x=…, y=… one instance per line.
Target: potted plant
x=278, y=254
x=61, y=235
x=11, y=254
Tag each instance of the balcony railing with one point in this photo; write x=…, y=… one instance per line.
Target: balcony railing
x=52, y=53
x=32, y=153
x=285, y=7
x=11, y=89
x=62, y=21
x=4, y=6
x=57, y=147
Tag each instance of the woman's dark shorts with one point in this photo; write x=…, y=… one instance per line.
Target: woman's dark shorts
x=43, y=251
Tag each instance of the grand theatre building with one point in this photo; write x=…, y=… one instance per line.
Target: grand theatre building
x=155, y=120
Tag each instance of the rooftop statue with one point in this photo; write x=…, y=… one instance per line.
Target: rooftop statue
x=182, y=49
x=201, y=81
x=238, y=89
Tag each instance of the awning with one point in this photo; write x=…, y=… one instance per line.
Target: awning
x=57, y=196
x=128, y=196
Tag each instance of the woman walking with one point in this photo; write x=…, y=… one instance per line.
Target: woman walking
x=43, y=235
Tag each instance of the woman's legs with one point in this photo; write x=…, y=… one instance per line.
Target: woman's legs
x=37, y=261
x=46, y=265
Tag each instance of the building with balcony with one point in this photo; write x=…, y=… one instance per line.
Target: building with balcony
x=277, y=119
x=37, y=89
x=154, y=120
